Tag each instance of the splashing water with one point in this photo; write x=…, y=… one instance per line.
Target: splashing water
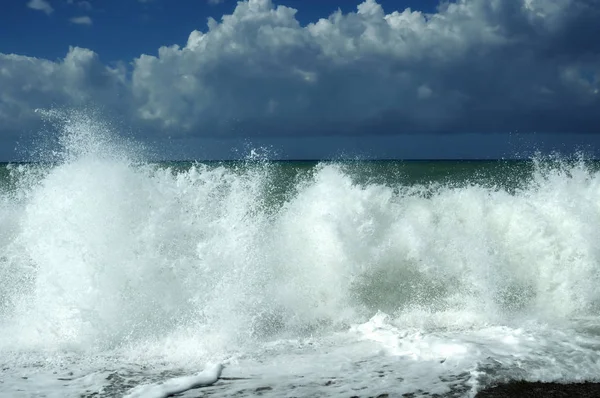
x=110, y=264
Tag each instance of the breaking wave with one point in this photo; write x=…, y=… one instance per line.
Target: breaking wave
x=102, y=250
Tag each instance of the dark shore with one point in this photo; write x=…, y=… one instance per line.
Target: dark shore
x=538, y=390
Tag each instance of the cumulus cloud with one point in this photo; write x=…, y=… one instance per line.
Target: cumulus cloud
x=29, y=83
x=475, y=65
x=83, y=20
x=40, y=5
x=472, y=66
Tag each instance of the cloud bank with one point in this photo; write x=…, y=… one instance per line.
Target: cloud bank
x=473, y=66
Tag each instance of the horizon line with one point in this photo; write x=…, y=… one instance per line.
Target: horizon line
x=320, y=160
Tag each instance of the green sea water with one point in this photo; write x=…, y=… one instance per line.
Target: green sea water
x=508, y=175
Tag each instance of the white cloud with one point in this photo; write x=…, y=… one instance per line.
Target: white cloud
x=83, y=20
x=40, y=5
x=472, y=65
x=215, y=1
x=29, y=83
x=475, y=65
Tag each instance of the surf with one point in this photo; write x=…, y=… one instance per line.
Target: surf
x=109, y=255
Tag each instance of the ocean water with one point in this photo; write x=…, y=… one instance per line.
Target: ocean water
x=304, y=279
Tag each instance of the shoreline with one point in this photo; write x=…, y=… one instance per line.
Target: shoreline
x=527, y=389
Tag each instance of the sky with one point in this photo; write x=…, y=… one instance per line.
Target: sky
x=209, y=79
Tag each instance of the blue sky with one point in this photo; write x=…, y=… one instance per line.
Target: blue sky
x=379, y=78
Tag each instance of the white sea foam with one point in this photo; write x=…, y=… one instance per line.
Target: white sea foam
x=124, y=273
x=178, y=385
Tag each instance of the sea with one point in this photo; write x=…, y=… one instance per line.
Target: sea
x=337, y=278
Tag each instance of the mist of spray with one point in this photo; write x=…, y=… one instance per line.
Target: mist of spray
x=100, y=250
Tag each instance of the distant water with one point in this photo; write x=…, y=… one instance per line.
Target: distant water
x=304, y=279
